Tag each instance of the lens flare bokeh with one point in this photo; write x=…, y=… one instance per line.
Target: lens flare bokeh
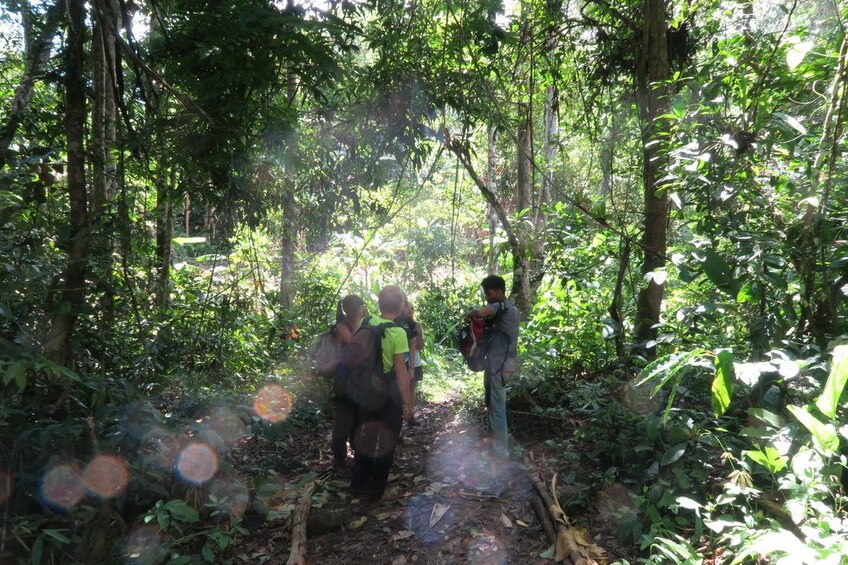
x=62, y=486
x=161, y=448
x=106, y=476
x=273, y=403
x=224, y=426
x=197, y=463
x=232, y=495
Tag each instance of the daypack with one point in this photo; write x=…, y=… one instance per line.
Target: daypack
x=476, y=340
x=368, y=384
x=327, y=352
x=472, y=344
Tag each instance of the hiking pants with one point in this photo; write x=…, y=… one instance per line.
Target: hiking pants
x=495, y=386
x=375, y=439
x=342, y=415
x=342, y=427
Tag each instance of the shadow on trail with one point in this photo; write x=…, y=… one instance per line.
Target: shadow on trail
x=449, y=500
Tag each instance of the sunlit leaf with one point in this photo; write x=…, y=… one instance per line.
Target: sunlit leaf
x=796, y=53
x=828, y=401
x=722, y=387
x=768, y=457
x=792, y=122
x=824, y=435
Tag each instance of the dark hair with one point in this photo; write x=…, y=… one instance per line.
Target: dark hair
x=347, y=306
x=493, y=282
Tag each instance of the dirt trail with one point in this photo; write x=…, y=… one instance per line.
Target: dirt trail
x=448, y=501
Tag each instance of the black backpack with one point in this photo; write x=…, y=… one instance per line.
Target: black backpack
x=368, y=384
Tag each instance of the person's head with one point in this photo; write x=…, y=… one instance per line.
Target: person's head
x=494, y=287
x=351, y=306
x=390, y=300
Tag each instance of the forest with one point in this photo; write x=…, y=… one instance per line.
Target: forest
x=188, y=188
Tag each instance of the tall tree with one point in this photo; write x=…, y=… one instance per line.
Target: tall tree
x=57, y=346
x=652, y=74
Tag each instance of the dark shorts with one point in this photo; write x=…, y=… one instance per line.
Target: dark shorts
x=417, y=374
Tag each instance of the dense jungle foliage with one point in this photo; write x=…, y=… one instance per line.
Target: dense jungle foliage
x=187, y=188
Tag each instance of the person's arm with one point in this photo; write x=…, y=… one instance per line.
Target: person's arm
x=343, y=333
x=402, y=376
x=482, y=312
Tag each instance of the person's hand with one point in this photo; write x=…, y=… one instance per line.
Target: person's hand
x=471, y=315
x=407, y=412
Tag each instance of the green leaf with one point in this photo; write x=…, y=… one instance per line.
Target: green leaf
x=12, y=371
x=20, y=377
x=720, y=272
x=673, y=453
x=37, y=550
x=182, y=511
x=769, y=458
x=765, y=417
x=208, y=554
x=828, y=401
x=796, y=53
x=824, y=435
x=792, y=122
x=722, y=388
x=56, y=535
x=548, y=553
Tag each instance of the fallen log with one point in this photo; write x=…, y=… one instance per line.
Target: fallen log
x=299, y=520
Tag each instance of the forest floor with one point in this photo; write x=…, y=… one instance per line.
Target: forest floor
x=449, y=500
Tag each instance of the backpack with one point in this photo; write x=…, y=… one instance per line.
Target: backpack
x=476, y=339
x=472, y=344
x=327, y=352
x=367, y=383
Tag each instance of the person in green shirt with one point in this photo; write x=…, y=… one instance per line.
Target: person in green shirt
x=377, y=429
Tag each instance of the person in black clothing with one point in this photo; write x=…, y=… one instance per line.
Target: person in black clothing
x=349, y=314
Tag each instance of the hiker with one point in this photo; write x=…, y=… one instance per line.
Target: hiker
x=349, y=314
x=377, y=426
x=415, y=335
x=502, y=318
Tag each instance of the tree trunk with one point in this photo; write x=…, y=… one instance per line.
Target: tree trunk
x=289, y=239
x=57, y=346
x=524, y=255
x=37, y=52
x=818, y=317
x=491, y=177
x=103, y=148
x=164, y=235
x=652, y=73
